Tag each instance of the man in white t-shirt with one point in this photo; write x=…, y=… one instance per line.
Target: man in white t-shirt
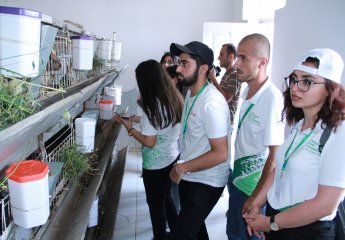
x=259, y=132
x=204, y=167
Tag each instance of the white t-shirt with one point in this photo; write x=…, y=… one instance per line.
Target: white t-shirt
x=209, y=118
x=306, y=168
x=260, y=128
x=166, y=149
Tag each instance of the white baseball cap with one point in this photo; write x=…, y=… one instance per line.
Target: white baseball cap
x=331, y=64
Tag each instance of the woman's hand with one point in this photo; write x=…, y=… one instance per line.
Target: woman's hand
x=257, y=223
x=127, y=123
x=117, y=118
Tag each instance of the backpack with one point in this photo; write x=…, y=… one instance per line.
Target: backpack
x=340, y=217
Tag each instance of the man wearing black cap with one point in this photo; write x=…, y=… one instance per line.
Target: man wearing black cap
x=203, y=169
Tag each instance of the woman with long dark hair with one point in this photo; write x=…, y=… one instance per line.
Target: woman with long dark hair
x=308, y=183
x=162, y=106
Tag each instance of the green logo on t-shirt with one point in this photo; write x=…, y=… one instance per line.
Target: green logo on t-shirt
x=253, y=118
x=312, y=146
x=151, y=156
x=247, y=172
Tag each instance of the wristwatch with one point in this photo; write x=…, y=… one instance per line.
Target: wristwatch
x=129, y=131
x=273, y=225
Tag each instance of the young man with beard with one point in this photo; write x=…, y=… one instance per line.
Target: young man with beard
x=203, y=170
x=260, y=131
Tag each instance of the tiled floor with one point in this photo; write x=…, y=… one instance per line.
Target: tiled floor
x=133, y=220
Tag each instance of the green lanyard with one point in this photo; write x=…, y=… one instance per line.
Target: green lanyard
x=245, y=114
x=186, y=118
x=286, y=157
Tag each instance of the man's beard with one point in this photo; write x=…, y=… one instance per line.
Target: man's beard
x=189, y=81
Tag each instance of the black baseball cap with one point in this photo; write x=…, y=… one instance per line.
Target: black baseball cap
x=195, y=48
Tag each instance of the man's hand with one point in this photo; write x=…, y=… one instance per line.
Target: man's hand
x=247, y=206
x=176, y=174
x=212, y=76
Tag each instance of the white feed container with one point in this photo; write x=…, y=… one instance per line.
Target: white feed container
x=85, y=133
x=82, y=52
x=106, y=109
x=93, y=214
x=116, y=51
x=116, y=93
x=29, y=192
x=20, y=33
x=85, y=127
x=32, y=218
x=104, y=49
x=93, y=114
x=85, y=144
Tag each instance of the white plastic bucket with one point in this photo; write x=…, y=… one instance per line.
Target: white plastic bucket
x=20, y=33
x=29, y=192
x=82, y=52
x=106, y=109
x=116, y=51
x=104, y=49
x=85, y=133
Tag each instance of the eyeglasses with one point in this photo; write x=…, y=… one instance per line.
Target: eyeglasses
x=302, y=85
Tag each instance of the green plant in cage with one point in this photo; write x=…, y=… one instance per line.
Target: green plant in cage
x=98, y=63
x=75, y=162
x=15, y=105
x=16, y=102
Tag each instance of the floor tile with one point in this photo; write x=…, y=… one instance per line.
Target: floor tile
x=126, y=219
x=216, y=231
x=128, y=202
x=143, y=234
x=143, y=219
x=124, y=234
x=133, y=219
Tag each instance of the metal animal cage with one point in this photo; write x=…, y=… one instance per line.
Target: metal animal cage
x=59, y=72
x=51, y=153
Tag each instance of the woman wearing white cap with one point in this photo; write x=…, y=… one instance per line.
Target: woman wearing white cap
x=303, y=192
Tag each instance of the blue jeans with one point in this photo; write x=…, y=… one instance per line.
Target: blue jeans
x=197, y=200
x=236, y=226
x=175, y=195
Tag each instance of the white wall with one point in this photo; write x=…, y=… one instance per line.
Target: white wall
x=303, y=25
x=146, y=28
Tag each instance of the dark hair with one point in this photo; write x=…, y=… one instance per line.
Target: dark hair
x=172, y=71
x=168, y=54
x=161, y=102
x=230, y=48
x=332, y=112
x=199, y=62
